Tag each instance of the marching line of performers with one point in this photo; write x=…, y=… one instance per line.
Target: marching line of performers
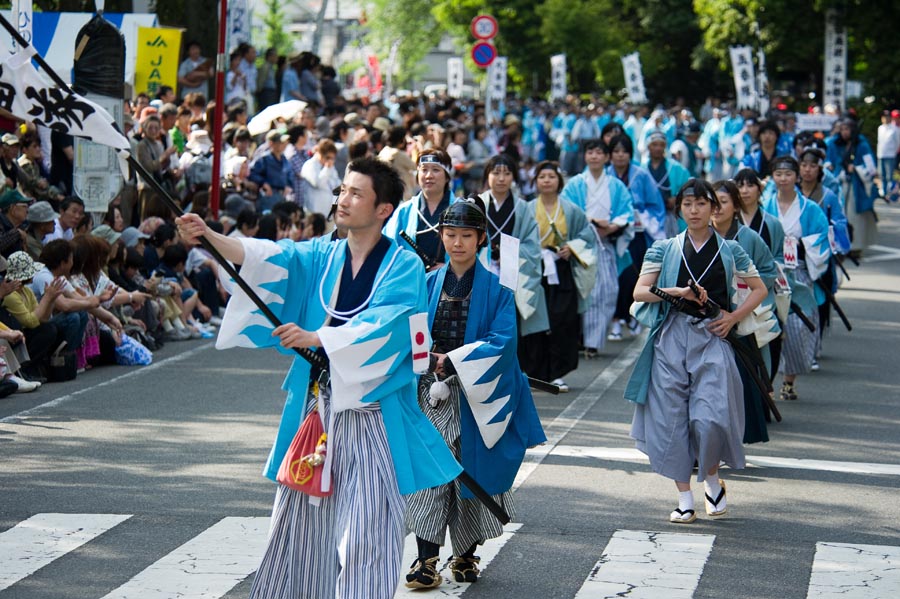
x=512, y=289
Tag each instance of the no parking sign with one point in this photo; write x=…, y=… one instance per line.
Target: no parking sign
x=483, y=54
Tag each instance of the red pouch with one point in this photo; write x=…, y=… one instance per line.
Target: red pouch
x=301, y=468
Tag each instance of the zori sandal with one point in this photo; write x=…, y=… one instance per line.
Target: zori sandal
x=679, y=516
x=716, y=507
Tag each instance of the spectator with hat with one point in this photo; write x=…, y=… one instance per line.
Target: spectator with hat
x=42, y=336
x=272, y=172
x=134, y=238
x=41, y=222
x=9, y=155
x=13, y=212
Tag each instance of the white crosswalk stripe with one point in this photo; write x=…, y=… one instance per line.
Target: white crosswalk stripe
x=636, y=563
x=43, y=538
x=855, y=572
x=645, y=565
x=451, y=588
x=206, y=567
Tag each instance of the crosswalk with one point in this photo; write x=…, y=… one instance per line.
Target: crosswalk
x=632, y=563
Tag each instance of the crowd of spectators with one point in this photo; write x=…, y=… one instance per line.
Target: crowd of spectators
x=82, y=289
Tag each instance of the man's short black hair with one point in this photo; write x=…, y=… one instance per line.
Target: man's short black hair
x=68, y=201
x=596, y=144
x=163, y=233
x=295, y=133
x=174, y=255
x=386, y=181
x=55, y=253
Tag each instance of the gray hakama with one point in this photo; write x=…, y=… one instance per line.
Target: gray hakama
x=430, y=512
x=351, y=545
x=865, y=226
x=602, y=303
x=800, y=343
x=695, y=404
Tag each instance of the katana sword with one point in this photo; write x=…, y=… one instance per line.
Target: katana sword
x=426, y=259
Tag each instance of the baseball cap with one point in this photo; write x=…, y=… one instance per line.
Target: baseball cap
x=131, y=236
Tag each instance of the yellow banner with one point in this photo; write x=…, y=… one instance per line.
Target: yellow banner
x=158, y=50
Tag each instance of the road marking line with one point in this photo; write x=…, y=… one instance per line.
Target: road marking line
x=43, y=538
x=15, y=418
x=206, y=567
x=640, y=563
x=576, y=410
x=451, y=588
x=628, y=454
x=889, y=254
x=848, y=571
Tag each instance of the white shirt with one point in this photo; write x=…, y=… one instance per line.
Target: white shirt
x=44, y=277
x=322, y=181
x=888, y=140
x=598, y=204
x=58, y=233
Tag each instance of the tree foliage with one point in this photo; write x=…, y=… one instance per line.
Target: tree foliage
x=276, y=36
x=409, y=23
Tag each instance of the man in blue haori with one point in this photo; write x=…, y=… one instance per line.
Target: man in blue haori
x=356, y=301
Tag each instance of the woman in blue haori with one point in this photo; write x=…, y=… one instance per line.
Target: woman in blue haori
x=812, y=172
x=668, y=176
x=849, y=156
x=649, y=225
x=477, y=397
x=685, y=384
x=419, y=215
x=806, y=254
x=356, y=301
x=607, y=204
x=510, y=217
x=727, y=223
x=570, y=269
x=768, y=227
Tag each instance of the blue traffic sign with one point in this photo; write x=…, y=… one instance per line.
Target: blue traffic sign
x=483, y=54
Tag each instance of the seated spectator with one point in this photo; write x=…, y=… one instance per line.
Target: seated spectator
x=294, y=212
x=13, y=212
x=247, y=224
x=313, y=226
x=42, y=337
x=274, y=227
x=134, y=238
x=9, y=156
x=160, y=239
x=202, y=271
x=32, y=178
x=113, y=219
x=41, y=221
x=72, y=309
x=272, y=172
x=13, y=351
x=172, y=269
x=71, y=212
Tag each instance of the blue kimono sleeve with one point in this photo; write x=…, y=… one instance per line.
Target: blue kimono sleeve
x=575, y=191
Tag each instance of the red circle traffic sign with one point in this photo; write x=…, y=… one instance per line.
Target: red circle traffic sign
x=483, y=54
x=484, y=27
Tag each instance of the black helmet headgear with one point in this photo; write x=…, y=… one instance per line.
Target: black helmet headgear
x=464, y=214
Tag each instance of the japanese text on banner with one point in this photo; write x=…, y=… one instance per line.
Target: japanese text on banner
x=157, y=58
x=634, y=78
x=744, y=79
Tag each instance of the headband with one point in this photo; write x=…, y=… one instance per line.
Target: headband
x=784, y=164
x=815, y=151
x=549, y=166
x=657, y=136
x=433, y=159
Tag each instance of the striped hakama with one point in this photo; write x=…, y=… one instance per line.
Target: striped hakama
x=602, y=303
x=350, y=546
x=431, y=511
x=695, y=404
x=799, y=349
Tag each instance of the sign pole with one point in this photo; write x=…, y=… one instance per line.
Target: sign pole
x=219, y=112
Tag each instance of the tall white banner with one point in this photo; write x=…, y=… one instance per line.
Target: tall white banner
x=762, y=82
x=497, y=79
x=454, y=77
x=634, y=78
x=238, y=23
x=744, y=80
x=835, y=79
x=21, y=14
x=558, y=69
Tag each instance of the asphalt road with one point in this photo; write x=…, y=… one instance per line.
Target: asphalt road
x=151, y=464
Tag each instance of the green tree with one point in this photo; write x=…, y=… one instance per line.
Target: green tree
x=276, y=37
x=408, y=22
